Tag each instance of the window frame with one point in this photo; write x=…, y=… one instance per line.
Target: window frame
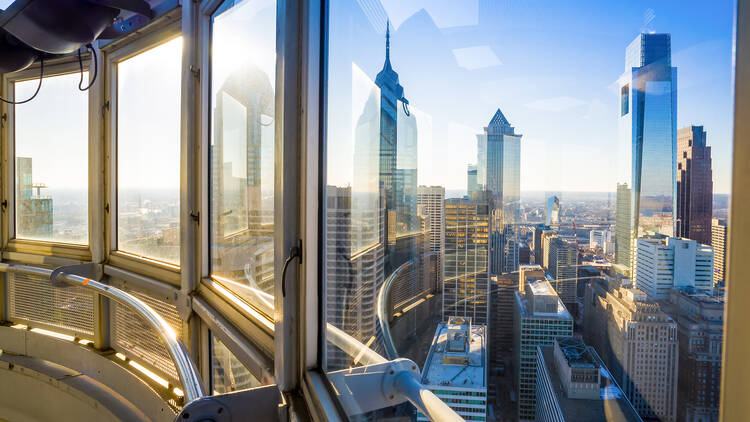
x=162, y=30
x=28, y=250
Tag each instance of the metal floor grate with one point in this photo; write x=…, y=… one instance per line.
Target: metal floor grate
x=132, y=335
x=33, y=299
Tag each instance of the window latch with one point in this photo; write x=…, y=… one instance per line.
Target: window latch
x=294, y=252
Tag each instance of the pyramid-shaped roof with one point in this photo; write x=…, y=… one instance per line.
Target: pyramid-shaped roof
x=499, y=119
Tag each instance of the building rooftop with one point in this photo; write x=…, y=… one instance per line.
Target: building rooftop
x=534, y=303
x=576, y=353
x=612, y=405
x=457, y=356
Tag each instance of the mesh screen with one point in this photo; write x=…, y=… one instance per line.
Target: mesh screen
x=133, y=336
x=32, y=298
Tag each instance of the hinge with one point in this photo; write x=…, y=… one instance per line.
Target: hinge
x=106, y=208
x=196, y=71
x=195, y=216
x=4, y=204
x=105, y=107
x=3, y=118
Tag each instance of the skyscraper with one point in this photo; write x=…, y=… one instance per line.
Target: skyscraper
x=662, y=264
x=694, y=185
x=499, y=172
x=431, y=199
x=719, y=243
x=647, y=147
x=466, y=269
x=471, y=180
x=563, y=267
x=623, y=244
x=540, y=318
x=552, y=215
x=638, y=343
x=33, y=211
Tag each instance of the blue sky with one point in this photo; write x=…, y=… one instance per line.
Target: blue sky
x=550, y=66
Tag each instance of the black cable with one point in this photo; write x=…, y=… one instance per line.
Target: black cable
x=38, y=87
x=80, y=65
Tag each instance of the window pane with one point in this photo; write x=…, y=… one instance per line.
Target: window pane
x=242, y=149
x=52, y=160
x=227, y=372
x=503, y=176
x=148, y=153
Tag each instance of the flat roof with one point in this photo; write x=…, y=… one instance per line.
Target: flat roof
x=611, y=406
x=470, y=375
x=562, y=311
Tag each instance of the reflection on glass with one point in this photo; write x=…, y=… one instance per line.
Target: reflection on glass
x=242, y=149
x=227, y=372
x=148, y=153
x=51, y=149
x=436, y=207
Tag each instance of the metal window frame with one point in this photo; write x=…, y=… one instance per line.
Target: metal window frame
x=26, y=250
x=162, y=30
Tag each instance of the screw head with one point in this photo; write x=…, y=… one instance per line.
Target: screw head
x=391, y=372
x=390, y=397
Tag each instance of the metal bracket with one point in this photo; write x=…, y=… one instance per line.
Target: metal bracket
x=366, y=388
x=88, y=270
x=261, y=404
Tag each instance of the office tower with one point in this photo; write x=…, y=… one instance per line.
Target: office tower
x=700, y=333
x=547, y=237
x=574, y=385
x=602, y=239
x=719, y=243
x=466, y=269
x=431, y=199
x=647, y=148
x=33, y=210
x=527, y=273
x=694, y=185
x=536, y=245
x=662, y=264
x=540, y=318
x=353, y=274
x=499, y=172
x=524, y=254
x=502, y=299
x=623, y=240
x=563, y=267
x=552, y=215
x=397, y=170
x=456, y=368
x=638, y=343
x=471, y=180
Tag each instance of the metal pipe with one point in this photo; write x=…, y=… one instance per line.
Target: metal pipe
x=390, y=348
x=192, y=385
x=352, y=347
x=423, y=399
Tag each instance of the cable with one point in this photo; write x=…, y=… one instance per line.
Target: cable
x=38, y=87
x=80, y=65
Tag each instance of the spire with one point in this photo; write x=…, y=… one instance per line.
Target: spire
x=387, y=44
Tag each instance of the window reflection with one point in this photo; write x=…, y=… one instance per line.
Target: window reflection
x=51, y=158
x=227, y=372
x=242, y=148
x=148, y=153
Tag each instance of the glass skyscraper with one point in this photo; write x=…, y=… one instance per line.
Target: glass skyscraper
x=647, y=131
x=499, y=172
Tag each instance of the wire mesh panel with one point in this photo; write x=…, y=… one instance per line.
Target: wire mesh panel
x=33, y=299
x=132, y=335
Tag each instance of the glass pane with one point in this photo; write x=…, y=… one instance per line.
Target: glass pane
x=148, y=153
x=514, y=190
x=227, y=372
x=52, y=160
x=242, y=149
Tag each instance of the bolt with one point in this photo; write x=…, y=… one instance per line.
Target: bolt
x=391, y=372
x=390, y=397
x=414, y=367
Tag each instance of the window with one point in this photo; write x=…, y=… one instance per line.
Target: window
x=450, y=126
x=51, y=160
x=227, y=372
x=242, y=107
x=148, y=153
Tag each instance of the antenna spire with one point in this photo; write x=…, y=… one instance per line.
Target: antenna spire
x=388, y=40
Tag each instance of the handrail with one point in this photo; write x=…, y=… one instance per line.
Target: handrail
x=188, y=373
x=390, y=348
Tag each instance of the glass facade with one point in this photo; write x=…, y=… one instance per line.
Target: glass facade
x=242, y=147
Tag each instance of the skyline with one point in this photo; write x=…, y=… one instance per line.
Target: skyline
x=475, y=80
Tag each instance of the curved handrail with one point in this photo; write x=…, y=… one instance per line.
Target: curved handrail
x=188, y=373
x=390, y=348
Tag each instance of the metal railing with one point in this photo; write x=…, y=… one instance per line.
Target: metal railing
x=382, y=311
x=192, y=386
